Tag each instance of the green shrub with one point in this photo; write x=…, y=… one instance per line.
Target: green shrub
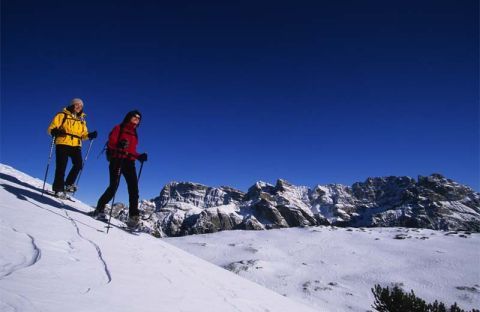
x=396, y=300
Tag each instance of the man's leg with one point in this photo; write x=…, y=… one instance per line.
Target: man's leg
x=112, y=187
x=130, y=174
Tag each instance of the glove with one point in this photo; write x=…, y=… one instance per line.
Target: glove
x=92, y=135
x=143, y=157
x=57, y=132
x=123, y=144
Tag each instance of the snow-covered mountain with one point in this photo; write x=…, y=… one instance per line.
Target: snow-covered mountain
x=432, y=202
x=53, y=257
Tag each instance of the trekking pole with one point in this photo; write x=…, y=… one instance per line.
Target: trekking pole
x=138, y=181
x=48, y=163
x=117, y=184
x=83, y=164
x=140, y=172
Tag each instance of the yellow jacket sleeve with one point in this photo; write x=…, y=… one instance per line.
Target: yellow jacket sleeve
x=56, y=122
x=85, y=131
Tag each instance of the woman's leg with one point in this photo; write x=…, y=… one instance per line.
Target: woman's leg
x=61, y=159
x=77, y=161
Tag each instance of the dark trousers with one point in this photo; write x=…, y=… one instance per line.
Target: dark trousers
x=130, y=174
x=62, y=152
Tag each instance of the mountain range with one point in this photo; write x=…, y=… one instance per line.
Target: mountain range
x=432, y=202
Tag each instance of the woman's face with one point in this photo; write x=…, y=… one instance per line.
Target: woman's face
x=135, y=119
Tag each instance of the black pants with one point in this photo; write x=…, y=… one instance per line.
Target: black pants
x=62, y=152
x=130, y=173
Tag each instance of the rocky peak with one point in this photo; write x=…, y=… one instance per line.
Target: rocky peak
x=198, y=195
x=382, y=191
x=283, y=186
x=437, y=187
x=233, y=194
x=258, y=188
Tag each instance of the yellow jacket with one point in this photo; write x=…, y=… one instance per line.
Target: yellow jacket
x=74, y=126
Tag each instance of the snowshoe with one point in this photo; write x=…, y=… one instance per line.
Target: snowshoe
x=71, y=188
x=60, y=195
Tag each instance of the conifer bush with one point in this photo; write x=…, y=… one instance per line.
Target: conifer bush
x=396, y=300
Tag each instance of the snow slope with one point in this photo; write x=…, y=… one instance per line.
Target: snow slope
x=53, y=257
x=334, y=269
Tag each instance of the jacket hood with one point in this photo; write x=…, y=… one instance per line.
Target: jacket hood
x=69, y=110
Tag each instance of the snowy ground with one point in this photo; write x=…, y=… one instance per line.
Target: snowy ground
x=55, y=258
x=334, y=269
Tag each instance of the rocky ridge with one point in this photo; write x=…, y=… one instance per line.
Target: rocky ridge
x=432, y=202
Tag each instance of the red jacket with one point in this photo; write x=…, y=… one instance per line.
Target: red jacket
x=128, y=133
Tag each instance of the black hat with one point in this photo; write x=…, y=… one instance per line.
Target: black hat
x=129, y=116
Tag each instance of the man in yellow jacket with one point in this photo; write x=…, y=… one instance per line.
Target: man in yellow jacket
x=69, y=129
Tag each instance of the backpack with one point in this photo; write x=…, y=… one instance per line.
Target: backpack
x=108, y=151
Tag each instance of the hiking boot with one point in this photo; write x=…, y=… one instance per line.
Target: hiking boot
x=133, y=221
x=99, y=215
x=70, y=188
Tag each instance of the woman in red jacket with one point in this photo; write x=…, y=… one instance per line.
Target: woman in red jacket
x=122, y=153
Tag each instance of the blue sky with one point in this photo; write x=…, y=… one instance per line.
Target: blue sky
x=314, y=92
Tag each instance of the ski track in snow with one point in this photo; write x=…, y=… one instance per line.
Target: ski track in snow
x=97, y=248
x=36, y=255
x=99, y=251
